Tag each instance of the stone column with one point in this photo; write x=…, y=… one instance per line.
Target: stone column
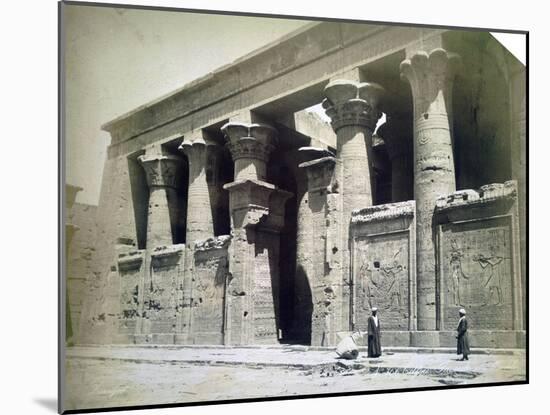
x=431, y=78
x=322, y=241
x=161, y=172
x=257, y=215
x=397, y=136
x=200, y=221
x=70, y=230
x=305, y=235
x=353, y=109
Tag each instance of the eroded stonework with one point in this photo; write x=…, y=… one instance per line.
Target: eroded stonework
x=230, y=216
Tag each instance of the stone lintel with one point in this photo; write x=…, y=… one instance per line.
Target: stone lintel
x=383, y=212
x=317, y=152
x=216, y=242
x=167, y=255
x=486, y=194
x=320, y=174
x=258, y=200
x=168, y=250
x=245, y=192
x=130, y=260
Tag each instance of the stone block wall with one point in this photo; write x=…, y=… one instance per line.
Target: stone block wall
x=479, y=265
x=384, y=266
x=158, y=275
x=79, y=259
x=211, y=271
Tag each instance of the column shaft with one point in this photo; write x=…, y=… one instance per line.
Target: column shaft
x=354, y=147
x=257, y=215
x=353, y=109
x=430, y=77
x=160, y=217
x=200, y=221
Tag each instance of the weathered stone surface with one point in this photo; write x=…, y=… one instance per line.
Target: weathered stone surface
x=162, y=178
x=210, y=279
x=384, y=257
x=479, y=262
x=291, y=192
x=431, y=79
x=250, y=146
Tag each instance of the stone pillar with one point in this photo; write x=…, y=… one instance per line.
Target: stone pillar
x=257, y=215
x=519, y=159
x=161, y=172
x=397, y=136
x=431, y=79
x=353, y=109
x=305, y=235
x=322, y=240
x=70, y=230
x=200, y=221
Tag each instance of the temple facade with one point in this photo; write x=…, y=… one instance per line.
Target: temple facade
x=231, y=214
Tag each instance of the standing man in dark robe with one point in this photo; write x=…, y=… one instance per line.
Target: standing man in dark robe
x=462, y=344
x=374, y=347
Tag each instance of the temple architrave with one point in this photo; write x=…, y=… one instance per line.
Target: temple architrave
x=232, y=214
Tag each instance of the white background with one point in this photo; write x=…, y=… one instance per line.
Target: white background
x=28, y=228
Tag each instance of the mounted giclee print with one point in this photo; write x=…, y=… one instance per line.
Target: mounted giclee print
x=266, y=207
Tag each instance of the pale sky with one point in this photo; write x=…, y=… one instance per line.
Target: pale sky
x=119, y=59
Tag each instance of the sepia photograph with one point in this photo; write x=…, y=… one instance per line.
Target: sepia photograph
x=259, y=207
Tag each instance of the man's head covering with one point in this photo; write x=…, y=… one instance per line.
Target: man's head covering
x=462, y=311
x=374, y=309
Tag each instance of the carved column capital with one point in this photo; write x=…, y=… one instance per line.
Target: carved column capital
x=429, y=74
x=161, y=170
x=195, y=149
x=250, y=146
x=353, y=103
x=250, y=140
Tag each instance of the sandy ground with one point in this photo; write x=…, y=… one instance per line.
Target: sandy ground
x=117, y=376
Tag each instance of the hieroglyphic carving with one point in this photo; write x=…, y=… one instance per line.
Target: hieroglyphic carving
x=382, y=279
x=265, y=327
x=129, y=268
x=129, y=304
x=476, y=269
x=162, y=291
x=209, y=294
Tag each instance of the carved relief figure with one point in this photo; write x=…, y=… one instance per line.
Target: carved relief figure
x=384, y=286
x=489, y=266
x=456, y=271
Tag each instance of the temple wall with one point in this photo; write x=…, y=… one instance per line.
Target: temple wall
x=115, y=228
x=79, y=258
x=210, y=291
x=160, y=273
